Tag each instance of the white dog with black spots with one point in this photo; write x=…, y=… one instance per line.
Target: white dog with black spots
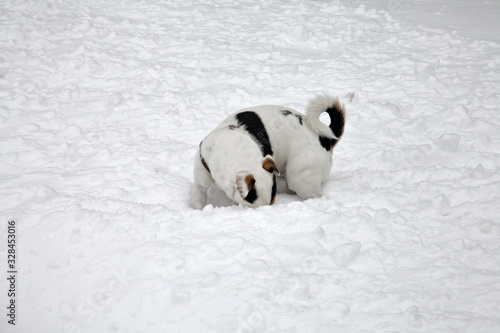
x=258, y=150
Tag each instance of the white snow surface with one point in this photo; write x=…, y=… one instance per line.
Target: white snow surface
x=103, y=105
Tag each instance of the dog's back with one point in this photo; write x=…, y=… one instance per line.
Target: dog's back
x=280, y=131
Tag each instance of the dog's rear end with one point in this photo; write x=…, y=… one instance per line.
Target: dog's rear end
x=310, y=164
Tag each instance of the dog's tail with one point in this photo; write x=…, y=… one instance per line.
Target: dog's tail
x=328, y=135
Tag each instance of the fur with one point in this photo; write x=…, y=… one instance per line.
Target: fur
x=245, y=153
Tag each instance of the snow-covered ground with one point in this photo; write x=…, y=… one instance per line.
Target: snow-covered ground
x=102, y=107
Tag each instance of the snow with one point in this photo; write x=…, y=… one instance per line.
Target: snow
x=103, y=105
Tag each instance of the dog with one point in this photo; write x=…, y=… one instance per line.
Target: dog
x=257, y=150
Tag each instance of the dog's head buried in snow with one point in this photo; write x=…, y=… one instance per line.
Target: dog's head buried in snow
x=257, y=151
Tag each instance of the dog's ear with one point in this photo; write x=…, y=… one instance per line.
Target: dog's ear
x=269, y=165
x=245, y=184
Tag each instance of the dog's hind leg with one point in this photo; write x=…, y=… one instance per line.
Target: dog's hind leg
x=202, y=181
x=305, y=180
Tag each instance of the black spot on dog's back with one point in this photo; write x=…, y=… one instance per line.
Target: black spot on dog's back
x=299, y=117
x=253, y=125
x=288, y=112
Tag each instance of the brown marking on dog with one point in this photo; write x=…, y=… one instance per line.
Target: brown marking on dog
x=246, y=187
x=250, y=182
x=203, y=160
x=274, y=190
x=269, y=165
x=204, y=163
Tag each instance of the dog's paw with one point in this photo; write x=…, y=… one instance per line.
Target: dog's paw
x=310, y=194
x=305, y=190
